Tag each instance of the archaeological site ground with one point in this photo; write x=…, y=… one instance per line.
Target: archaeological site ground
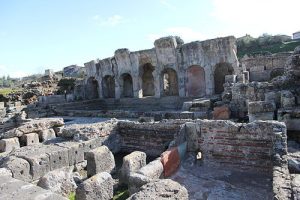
x=177, y=121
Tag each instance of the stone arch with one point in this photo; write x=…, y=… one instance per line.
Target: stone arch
x=148, y=87
x=276, y=72
x=169, y=81
x=195, y=81
x=126, y=85
x=92, y=88
x=221, y=70
x=108, y=86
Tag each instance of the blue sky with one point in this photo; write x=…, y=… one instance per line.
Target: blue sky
x=41, y=34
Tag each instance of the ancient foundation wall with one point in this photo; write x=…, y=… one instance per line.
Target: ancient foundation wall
x=244, y=146
x=151, y=138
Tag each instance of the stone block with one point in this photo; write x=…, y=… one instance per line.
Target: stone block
x=261, y=116
x=136, y=181
x=187, y=105
x=161, y=189
x=261, y=107
x=75, y=151
x=99, y=160
x=222, y=112
x=38, y=159
x=29, y=139
x=7, y=145
x=153, y=170
x=18, y=104
x=2, y=106
x=59, y=181
x=287, y=99
x=132, y=163
x=230, y=79
x=12, y=188
x=58, y=157
x=99, y=186
x=170, y=160
x=47, y=134
x=19, y=168
x=240, y=78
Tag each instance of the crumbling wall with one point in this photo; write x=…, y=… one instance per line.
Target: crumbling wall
x=244, y=146
x=169, y=54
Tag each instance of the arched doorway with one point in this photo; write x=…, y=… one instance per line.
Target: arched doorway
x=148, y=80
x=108, y=86
x=126, y=85
x=221, y=70
x=92, y=88
x=170, y=82
x=195, y=85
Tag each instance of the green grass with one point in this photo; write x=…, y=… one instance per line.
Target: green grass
x=275, y=48
x=6, y=91
x=121, y=195
x=72, y=196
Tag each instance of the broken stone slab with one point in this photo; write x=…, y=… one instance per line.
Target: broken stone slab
x=59, y=181
x=29, y=139
x=84, y=132
x=99, y=160
x=221, y=113
x=132, y=163
x=7, y=145
x=161, y=189
x=12, y=188
x=99, y=186
x=261, y=107
x=37, y=125
x=295, y=184
x=47, y=134
x=19, y=168
x=33, y=126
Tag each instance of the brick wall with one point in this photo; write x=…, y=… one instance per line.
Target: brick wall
x=151, y=138
x=245, y=146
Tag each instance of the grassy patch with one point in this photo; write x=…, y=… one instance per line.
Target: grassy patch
x=6, y=91
x=121, y=194
x=72, y=196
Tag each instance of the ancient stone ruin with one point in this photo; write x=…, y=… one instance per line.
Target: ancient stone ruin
x=178, y=121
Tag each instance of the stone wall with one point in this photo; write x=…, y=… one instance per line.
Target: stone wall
x=169, y=54
x=151, y=138
x=264, y=68
x=244, y=146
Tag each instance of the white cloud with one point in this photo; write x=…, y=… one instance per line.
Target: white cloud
x=110, y=21
x=186, y=33
x=167, y=4
x=258, y=16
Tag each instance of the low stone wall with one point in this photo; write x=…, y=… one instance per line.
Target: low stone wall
x=244, y=146
x=151, y=138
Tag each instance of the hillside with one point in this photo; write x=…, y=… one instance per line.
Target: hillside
x=265, y=44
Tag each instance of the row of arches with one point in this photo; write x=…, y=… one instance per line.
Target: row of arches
x=195, y=83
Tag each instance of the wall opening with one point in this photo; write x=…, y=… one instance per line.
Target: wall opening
x=108, y=87
x=148, y=80
x=170, y=82
x=126, y=85
x=92, y=88
x=276, y=72
x=195, y=85
x=221, y=70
